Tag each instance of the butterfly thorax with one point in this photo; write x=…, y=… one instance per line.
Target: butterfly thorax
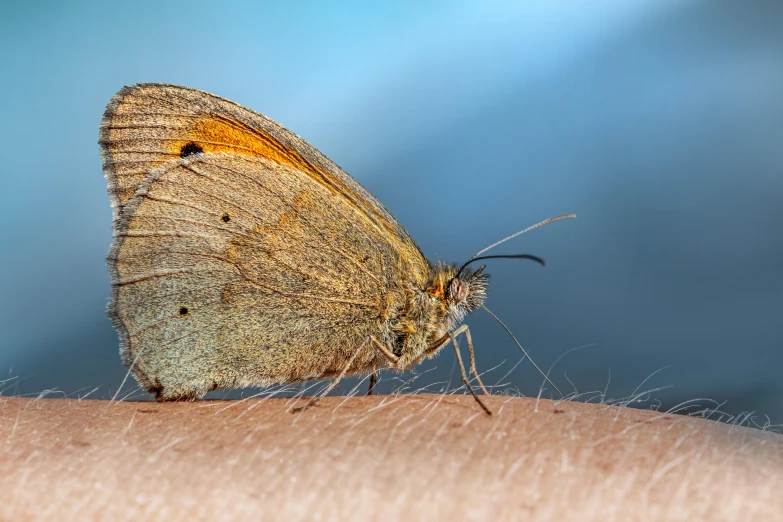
x=431, y=312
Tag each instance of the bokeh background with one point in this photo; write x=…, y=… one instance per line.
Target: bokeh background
x=659, y=122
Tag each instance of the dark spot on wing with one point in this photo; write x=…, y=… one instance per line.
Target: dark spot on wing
x=183, y=310
x=558, y=411
x=189, y=149
x=226, y=218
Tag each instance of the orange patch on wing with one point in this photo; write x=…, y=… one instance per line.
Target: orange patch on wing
x=216, y=134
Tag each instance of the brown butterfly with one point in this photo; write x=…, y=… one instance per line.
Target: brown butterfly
x=242, y=256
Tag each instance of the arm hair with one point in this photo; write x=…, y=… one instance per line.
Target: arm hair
x=397, y=457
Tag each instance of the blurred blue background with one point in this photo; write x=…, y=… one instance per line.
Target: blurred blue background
x=660, y=123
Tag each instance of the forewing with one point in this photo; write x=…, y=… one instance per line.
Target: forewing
x=231, y=270
x=147, y=125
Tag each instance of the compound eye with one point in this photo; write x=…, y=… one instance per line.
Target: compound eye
x=458, y=290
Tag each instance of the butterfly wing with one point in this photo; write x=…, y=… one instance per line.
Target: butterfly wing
x=306, y=262
x=231, y=270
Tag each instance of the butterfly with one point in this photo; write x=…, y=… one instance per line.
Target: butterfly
x=242, y=256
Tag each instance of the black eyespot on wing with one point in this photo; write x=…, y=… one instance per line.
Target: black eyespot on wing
x=226, y=218
x=189, y=149
x=183, y=310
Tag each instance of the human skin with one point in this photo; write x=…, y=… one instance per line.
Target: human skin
x=398, y=457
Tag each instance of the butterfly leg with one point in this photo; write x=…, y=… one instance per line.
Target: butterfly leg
x=388, y=354
x=437, y=345
x=464, y=374
x=334, y=383
x=381, y=348
x=464, y=328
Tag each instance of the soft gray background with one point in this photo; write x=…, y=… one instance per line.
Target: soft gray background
x=658, y=122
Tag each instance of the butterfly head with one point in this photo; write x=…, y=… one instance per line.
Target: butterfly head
x=467, y=290
x=459, y=292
